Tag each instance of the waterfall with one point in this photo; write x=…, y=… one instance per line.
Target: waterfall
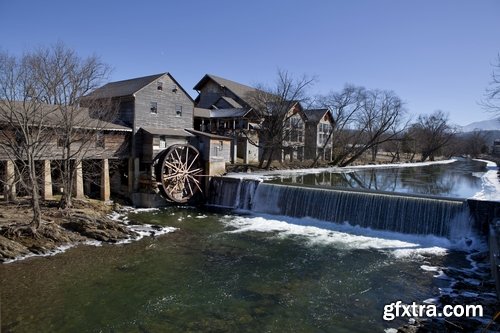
x=232, y=193
x=383, y=211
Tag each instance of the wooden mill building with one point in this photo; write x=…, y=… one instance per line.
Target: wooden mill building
x=94, y=143
x=152, y=113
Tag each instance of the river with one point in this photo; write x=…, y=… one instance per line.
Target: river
x=228, y=272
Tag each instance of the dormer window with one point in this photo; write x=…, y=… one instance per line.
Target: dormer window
x=154, y=107
x=159, y=85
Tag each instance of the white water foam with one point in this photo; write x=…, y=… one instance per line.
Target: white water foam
x=143, y=230
x=343, y=236
x=53, y=252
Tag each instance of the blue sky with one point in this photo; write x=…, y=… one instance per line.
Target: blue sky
x=434, y=54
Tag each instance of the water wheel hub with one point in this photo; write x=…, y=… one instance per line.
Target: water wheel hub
x=178, y=170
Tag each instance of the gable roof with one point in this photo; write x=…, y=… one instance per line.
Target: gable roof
x=125, y=87
x=230, y=101
x=240, y=90
x=237, y=88
x=315, y=115
x=130, y=87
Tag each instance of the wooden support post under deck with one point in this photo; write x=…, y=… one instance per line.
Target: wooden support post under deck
x=47, y=181
x=10, y=181
x=136, y=174
x=105, y=187
x=245, y=153
x=130, y=175
x=78, y=189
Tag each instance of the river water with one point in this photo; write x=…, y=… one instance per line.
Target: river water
x=227, y=273
x=460, y=179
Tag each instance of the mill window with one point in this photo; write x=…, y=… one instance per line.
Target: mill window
x=154, y=107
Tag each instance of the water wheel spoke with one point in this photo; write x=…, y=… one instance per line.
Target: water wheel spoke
x=174, y=167
x=194, y=171
x=179, y=159
x=177, y=172
x=194, y=159
x=196, y=182
x=171, y=176
x=189, y=186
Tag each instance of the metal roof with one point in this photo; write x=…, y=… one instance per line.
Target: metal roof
x=167, y=131
x=231, y=102
x=125, y=87
x=209, y=135
x=220, y=113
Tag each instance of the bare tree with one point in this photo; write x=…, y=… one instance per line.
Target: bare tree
x=65, y=79
x=277, y=108
x=345, y=106
x=25, y=124
x=409, y=145
x=432, y=133
x=491, y=100
x=472, y=144
x=363, y=120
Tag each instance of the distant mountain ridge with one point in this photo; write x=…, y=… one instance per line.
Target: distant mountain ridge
x=485, y=125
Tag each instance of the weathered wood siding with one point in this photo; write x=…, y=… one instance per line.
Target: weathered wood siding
x=213, y=149
x=126, y=111
x=166, y=100
x=151, y=145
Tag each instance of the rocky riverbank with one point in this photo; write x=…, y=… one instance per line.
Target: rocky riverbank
x=473, y=286
x=87, y=221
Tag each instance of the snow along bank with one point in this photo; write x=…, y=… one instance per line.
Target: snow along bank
x=266, y=175
x=490, y=183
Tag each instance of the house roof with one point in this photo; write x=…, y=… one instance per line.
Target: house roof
x=209, y=135
x=228, y=113
x=50, y=116
x=167, y=131
x=237, y=88
x=231, y=102
x=130, y=87
x=221, y=113
x=125, y=87
x=315, y=115
x=240, y=90
x=243, y=92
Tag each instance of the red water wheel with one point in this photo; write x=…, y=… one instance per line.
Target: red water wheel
x=178, y=171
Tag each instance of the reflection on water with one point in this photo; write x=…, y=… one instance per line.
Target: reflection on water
x=206, y=278
x=457, y=180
